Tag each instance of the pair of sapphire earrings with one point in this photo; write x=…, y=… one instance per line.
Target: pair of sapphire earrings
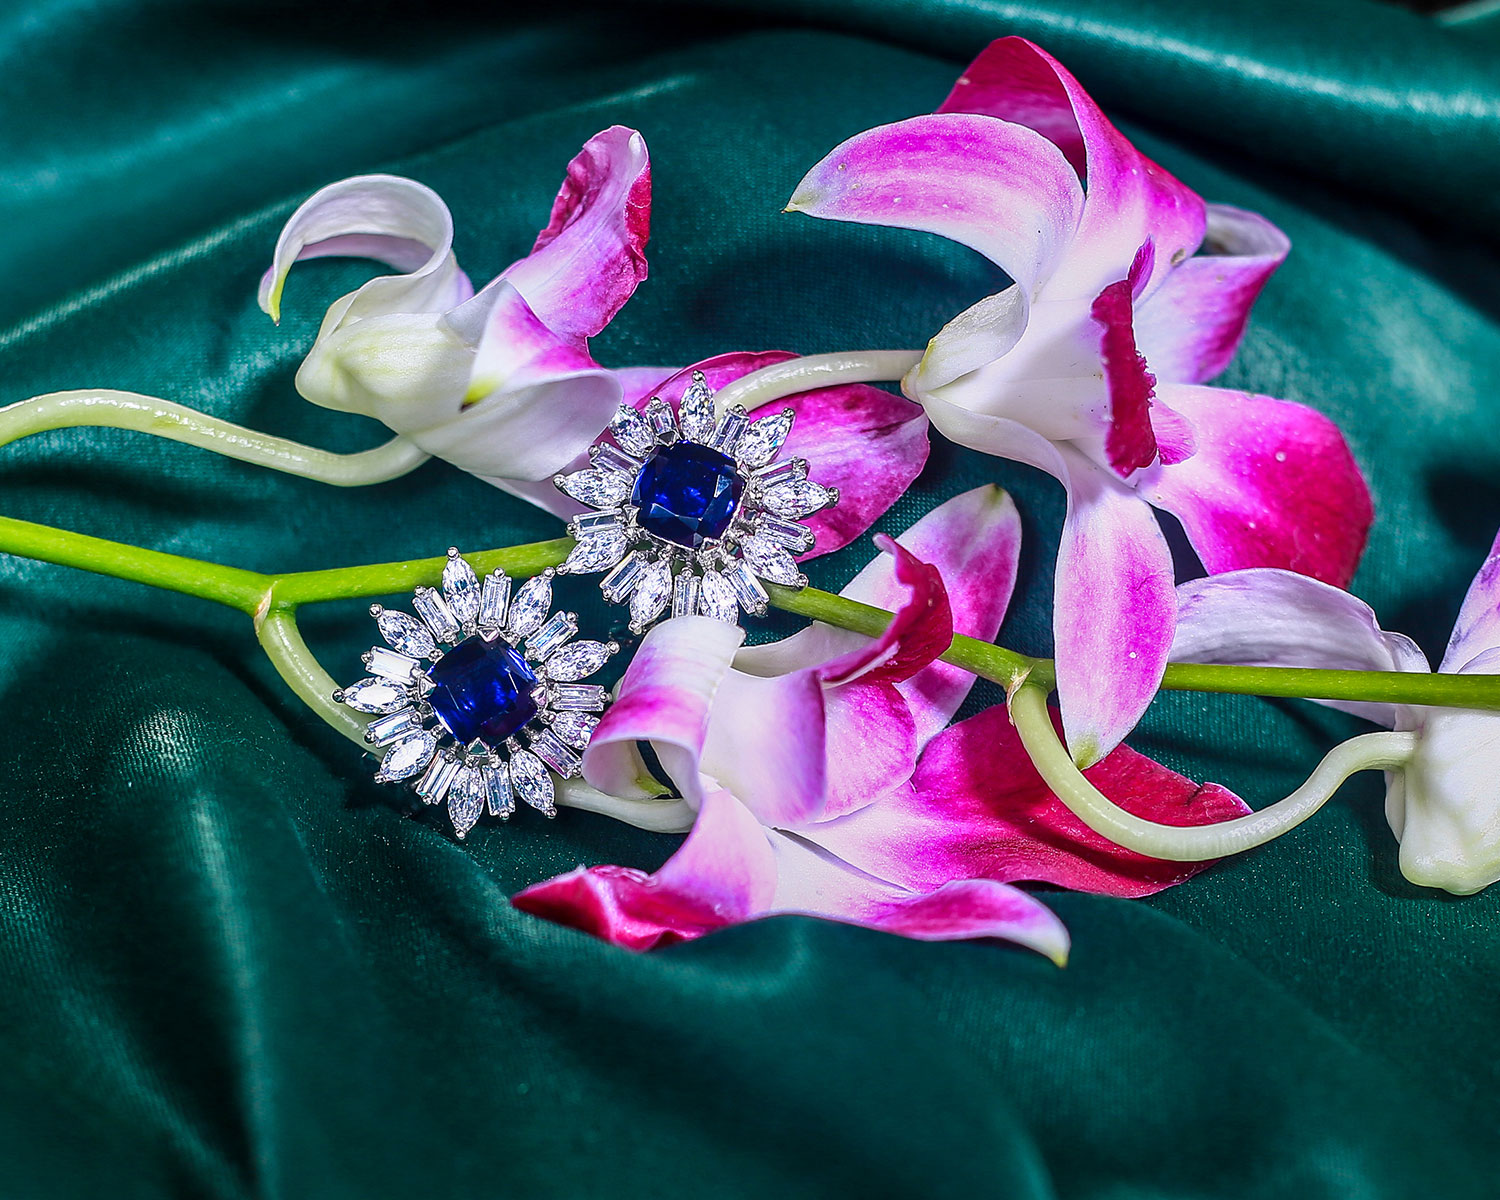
x=480, y=695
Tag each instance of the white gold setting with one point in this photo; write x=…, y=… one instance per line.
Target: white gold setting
x=508, y=644
x=716, y=575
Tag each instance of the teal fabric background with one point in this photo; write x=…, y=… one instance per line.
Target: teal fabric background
x=229, y=967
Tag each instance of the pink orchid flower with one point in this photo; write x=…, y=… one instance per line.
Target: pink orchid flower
x=501, y=383
x=1444, y=804
x=823, y=782
x=1129, y=292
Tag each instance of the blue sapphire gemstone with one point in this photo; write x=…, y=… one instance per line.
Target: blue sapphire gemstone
x=482, y=689
x=687, y=493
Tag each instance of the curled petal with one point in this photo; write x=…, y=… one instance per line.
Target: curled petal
x=1113, y=610
x=813, y=883
x=591, y=256
x=1131, y=441
x=1270, y=618
x=1129, y=200
x=864, y=441
x=724, y=873
x=977, y=808
x=664, y=699
x=1477, y=629
x=1271, y=484
x=998, y=188
x=1190, y=327
x=385, y=217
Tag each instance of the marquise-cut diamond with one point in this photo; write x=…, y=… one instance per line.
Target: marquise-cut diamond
x=466, y=800
x=493, y=599
x=434, y=610
x=407, y=757
x=631, y=431
x=575, y=728
x=770, y=561
x=404, y=633
x=498, y=799
x=746, y=588
x=716, y=598
x=558, y=629
x=763, y=439
x=461, y=588
x=390, y=665
x=579, y=697
x=375, y=696
x=529, y=608
x=596, y=552
x=550, y=749
x=695, y=412
x=577, y=660
x=685, y=594
x=386, y=730
x=651, y=595
x=597, y=489
x=617, y=584
x=797, y=498
x=438, y=778
x=726, y=435
x=532, y=783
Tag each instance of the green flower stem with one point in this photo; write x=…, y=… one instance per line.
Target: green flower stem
x=784, y=379
x=260, y=595
x=177, y=423
x=1193, y=843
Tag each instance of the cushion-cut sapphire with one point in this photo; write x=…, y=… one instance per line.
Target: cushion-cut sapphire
x=482, y=690
x=687, y=493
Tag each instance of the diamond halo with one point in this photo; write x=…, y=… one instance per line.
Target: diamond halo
x=481, y=692
x=692, y=509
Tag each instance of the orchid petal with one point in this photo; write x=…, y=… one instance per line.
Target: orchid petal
x=397, y=221
x=1113, y=610
x=1478, y=626
x=978, y=809
x=1268, y=618
x=1190, y=327
x=1447, y=815
x=1272, y=484
x=998, y=188
x=591, y=256
x=872, y=745
x=812, y=883
x=1131, y=442
x=1129, y=199
x=722, y=874
x=664, y=699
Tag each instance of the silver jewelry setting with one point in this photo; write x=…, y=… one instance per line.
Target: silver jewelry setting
x=541, y=664
x=722, y=574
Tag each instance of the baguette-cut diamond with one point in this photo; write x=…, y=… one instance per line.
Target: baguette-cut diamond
x=407, y=757
x=466, y=800
x=589, y=524
x=529, y=778
x=727, y=434
x=575, y=728
x=434, y=610
x=558, y=629
x=617, y=584
x=390, y=665
x=577, y=660
x=493, y=599
x=498, y=799
x=461, y=588
x=579, y=697
x=631, y=431
x=482, y=689
x=404, y=633
x=611, y=458
x=375, y=696
x=388, y=729
x=763, y=439
x=794, y=537
x=746, y=589
x=550, y=749
x=685, y=594
x=529, y=608
x=659, y=417
x=438, y=778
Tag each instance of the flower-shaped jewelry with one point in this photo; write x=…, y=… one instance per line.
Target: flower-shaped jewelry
x=457, y=688
x=694, y=510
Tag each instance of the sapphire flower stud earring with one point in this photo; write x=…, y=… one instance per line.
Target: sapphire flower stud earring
x=692, y=510
x=480, y=692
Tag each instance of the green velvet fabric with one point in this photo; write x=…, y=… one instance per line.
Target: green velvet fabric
x=230, y=966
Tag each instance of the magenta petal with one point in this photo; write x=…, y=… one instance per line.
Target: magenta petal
x=591, y=256
x=1190, y=327
x=871, y=745
x=816, y=884
x=1130, y=199
x=1272, y=484
x=1113, y=610
x=998, y=188
x=1131, y=442
x=977, y=808
x=724, y=873
x=868, y=443
x=1477, y=629
x=665, y=699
